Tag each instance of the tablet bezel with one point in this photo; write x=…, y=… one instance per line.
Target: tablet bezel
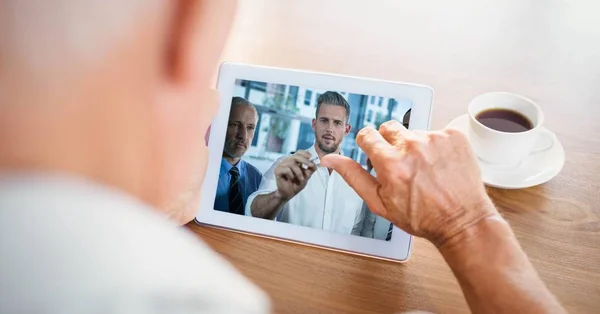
x=398, y=249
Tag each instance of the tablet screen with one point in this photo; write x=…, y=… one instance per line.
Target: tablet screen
x=274, y=128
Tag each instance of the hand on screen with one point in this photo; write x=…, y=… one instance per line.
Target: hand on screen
x=428, y=183
x=293, y=173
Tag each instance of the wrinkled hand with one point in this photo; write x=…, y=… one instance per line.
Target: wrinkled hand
x=428, y=183
x=293, y=173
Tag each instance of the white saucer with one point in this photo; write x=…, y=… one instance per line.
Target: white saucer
x=536, y=169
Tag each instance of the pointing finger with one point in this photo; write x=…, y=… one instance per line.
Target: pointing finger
x=357, y=177
x=393, y=132
x=373, y=144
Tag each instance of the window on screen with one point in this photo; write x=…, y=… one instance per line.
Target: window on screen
x=307, y=97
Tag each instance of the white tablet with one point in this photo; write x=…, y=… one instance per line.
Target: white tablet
x=255, y=182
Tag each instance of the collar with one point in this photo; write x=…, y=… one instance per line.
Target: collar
x=226, y=166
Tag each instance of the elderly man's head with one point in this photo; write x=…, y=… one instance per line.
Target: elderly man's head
x=241, y=126
x=116, y=91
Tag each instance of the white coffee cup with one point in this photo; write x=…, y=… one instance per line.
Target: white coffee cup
x=506, y=148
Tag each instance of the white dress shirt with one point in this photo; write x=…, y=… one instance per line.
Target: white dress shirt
x=327, y=202
x=70, y=246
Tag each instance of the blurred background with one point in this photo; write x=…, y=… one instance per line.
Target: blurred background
x=461, y=48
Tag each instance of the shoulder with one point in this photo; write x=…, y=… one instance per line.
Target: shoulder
x=164, y=254
x=251, y=169
x=254, y=174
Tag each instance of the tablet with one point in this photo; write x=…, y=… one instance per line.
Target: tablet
x=272, y=123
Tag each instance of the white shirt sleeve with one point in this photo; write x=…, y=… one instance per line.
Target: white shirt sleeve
x=268, y=184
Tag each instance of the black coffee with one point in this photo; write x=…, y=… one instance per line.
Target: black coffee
x=504, y=120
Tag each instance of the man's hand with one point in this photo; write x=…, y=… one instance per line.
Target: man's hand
x=293, y=173
x=428, y=183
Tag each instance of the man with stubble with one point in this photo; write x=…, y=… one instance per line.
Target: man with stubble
x=298, y=190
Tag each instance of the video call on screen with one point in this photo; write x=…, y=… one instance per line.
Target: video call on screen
x=273, y=129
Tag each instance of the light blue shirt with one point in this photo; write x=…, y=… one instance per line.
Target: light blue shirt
x=250, y=179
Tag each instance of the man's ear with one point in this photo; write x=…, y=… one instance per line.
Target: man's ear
x=314, y=125
x=207, y=135
x=197, y=33
x=348, y=128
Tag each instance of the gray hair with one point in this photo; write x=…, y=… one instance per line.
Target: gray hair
x=334, y=99
x=239, y=101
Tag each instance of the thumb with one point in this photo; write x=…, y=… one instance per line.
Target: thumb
x=357, y=177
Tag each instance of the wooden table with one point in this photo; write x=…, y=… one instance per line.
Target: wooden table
x=547, y=50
